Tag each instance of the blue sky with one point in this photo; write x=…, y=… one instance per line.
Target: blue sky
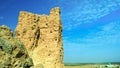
x=91, y=28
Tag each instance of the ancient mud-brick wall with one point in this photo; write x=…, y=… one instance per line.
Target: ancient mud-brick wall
x=42, y=36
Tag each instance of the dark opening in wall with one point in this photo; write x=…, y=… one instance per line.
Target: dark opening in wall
x=46, y=24
x=49, y=54
x=50, y=31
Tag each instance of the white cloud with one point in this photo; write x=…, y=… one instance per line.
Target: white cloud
x=86, y=11
x=109, y=34
x=103, y=44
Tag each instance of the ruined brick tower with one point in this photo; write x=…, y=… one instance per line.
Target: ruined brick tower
x=42, y=37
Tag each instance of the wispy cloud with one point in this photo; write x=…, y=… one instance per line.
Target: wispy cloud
x=107, y=35
x=87, y=11
x=103, y=44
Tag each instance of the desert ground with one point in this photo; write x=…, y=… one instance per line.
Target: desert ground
x=84, y=66
x=94, y=66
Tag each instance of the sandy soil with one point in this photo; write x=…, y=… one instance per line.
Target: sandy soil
x=92, y=66
x=84, y=66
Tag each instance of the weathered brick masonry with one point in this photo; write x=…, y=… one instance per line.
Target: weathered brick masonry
x=42, y=37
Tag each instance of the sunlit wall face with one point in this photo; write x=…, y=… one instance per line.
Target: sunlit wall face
x=91, y=28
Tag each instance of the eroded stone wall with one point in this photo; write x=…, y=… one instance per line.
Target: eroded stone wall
x=13, y=54
x=42, y=36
